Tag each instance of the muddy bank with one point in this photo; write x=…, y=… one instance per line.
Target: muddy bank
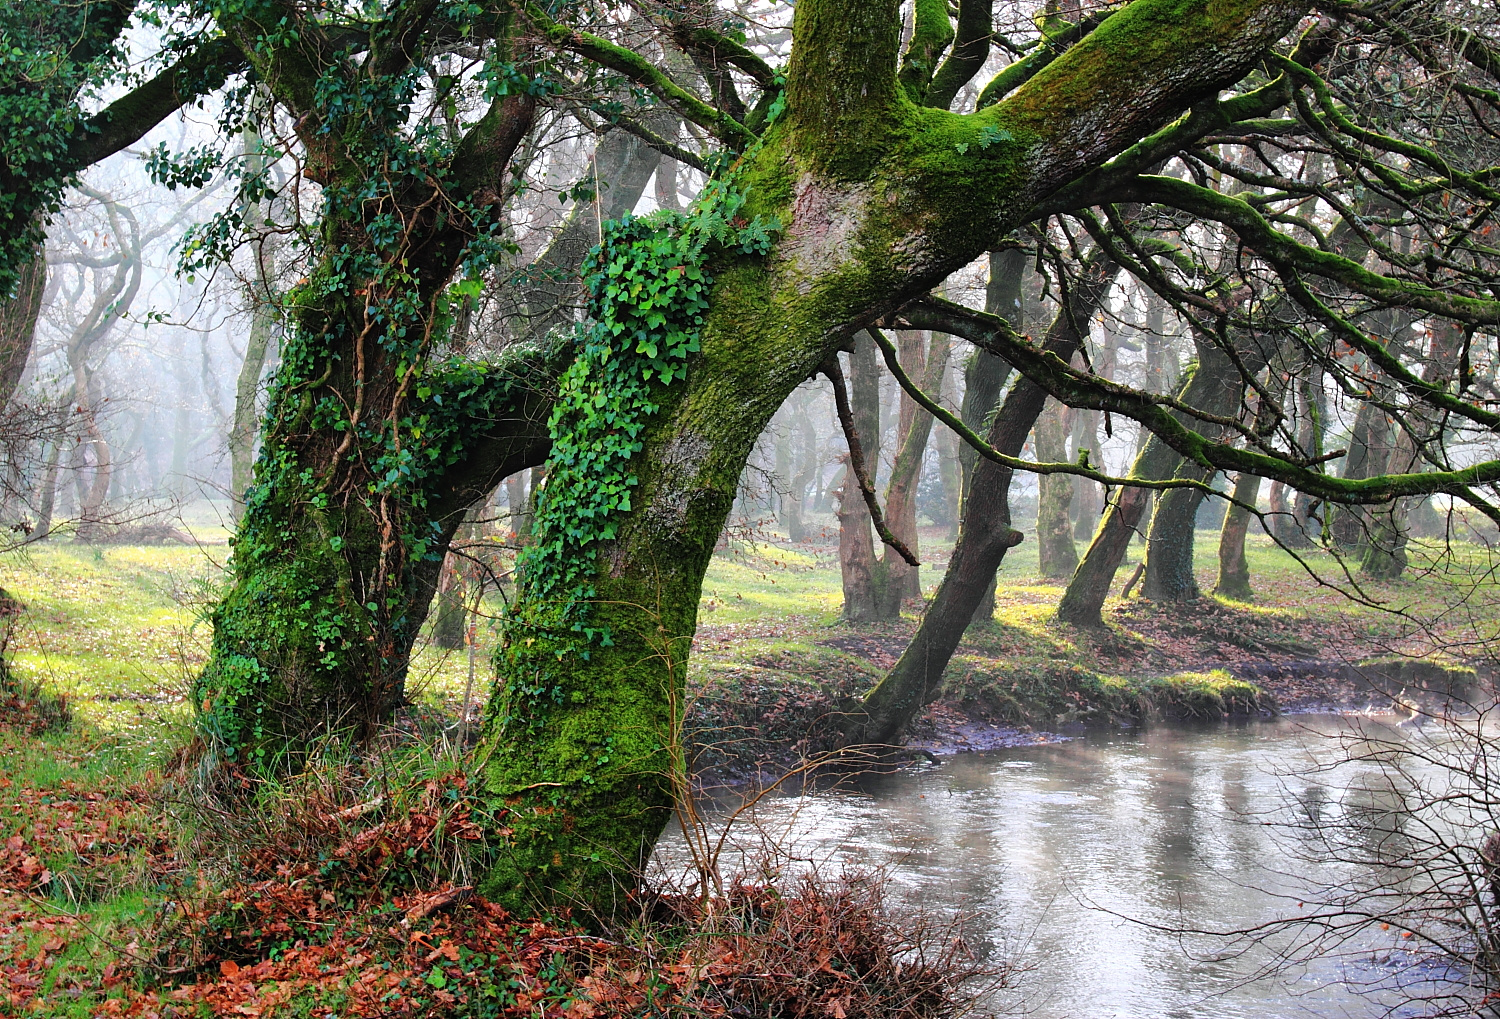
x=757, y=718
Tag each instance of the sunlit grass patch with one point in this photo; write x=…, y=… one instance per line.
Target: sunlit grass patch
x=118, y=630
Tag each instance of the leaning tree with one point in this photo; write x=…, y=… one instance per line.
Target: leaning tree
x=844, y=189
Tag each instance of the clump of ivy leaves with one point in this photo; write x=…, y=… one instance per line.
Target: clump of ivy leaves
x=648, y=291
x=289, y=592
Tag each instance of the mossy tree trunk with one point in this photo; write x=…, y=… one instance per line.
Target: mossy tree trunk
x=879, y=200
x=1234, y=568
x=375, y=442
x=452, y=610
x=1169, y=575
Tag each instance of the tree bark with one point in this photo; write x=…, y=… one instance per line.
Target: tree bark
x=862, y=574
x=1056, y=555
x=1169, y=575
x=1082, y=603
x=1234, y=568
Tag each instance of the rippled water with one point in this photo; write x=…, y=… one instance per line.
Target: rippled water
x=1072, y=857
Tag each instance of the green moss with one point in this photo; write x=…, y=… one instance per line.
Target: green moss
x=1050, y=692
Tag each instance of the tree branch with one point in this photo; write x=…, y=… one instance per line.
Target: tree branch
x=126, y=120
x=971, y=47
x=640, y=70
x=1077, y=389
x=857, y=460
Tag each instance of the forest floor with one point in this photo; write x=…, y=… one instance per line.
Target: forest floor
x=108, y=906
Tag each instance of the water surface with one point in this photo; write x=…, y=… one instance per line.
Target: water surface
x=1081, y=860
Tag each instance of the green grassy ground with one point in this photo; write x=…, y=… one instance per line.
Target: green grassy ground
x=120, y=630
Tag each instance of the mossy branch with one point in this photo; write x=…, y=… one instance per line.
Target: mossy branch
x=1261, y=237
x=1014, y=463
x=640, y=70
x=726, y=49
x=1077, y=389
x=127, y=119
x=932, y=31
x=651, y=138
x=971, y=47
x=1018, y=73
x=1202, y=120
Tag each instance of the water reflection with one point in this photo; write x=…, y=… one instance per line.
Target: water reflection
x=1082, y=860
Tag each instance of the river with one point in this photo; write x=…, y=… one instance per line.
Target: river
x=1079, y=861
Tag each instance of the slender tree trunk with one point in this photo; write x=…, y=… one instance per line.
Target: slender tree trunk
x=18, y=317
x=91, y=507
x=518, y=506
x=985, y=376
x=1369, y=449
x=263, y=321
x=1300, y=527
x=48, y=496
x=945, y=512
x=246, y=412
x=452, y=607
x=862, y=577
x=1087, y=495
x=902, y=580
x=1234, y=568
x=807, y=470
x=1054, y=529
x=785, y=497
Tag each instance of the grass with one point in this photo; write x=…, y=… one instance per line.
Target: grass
x=119, y=630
